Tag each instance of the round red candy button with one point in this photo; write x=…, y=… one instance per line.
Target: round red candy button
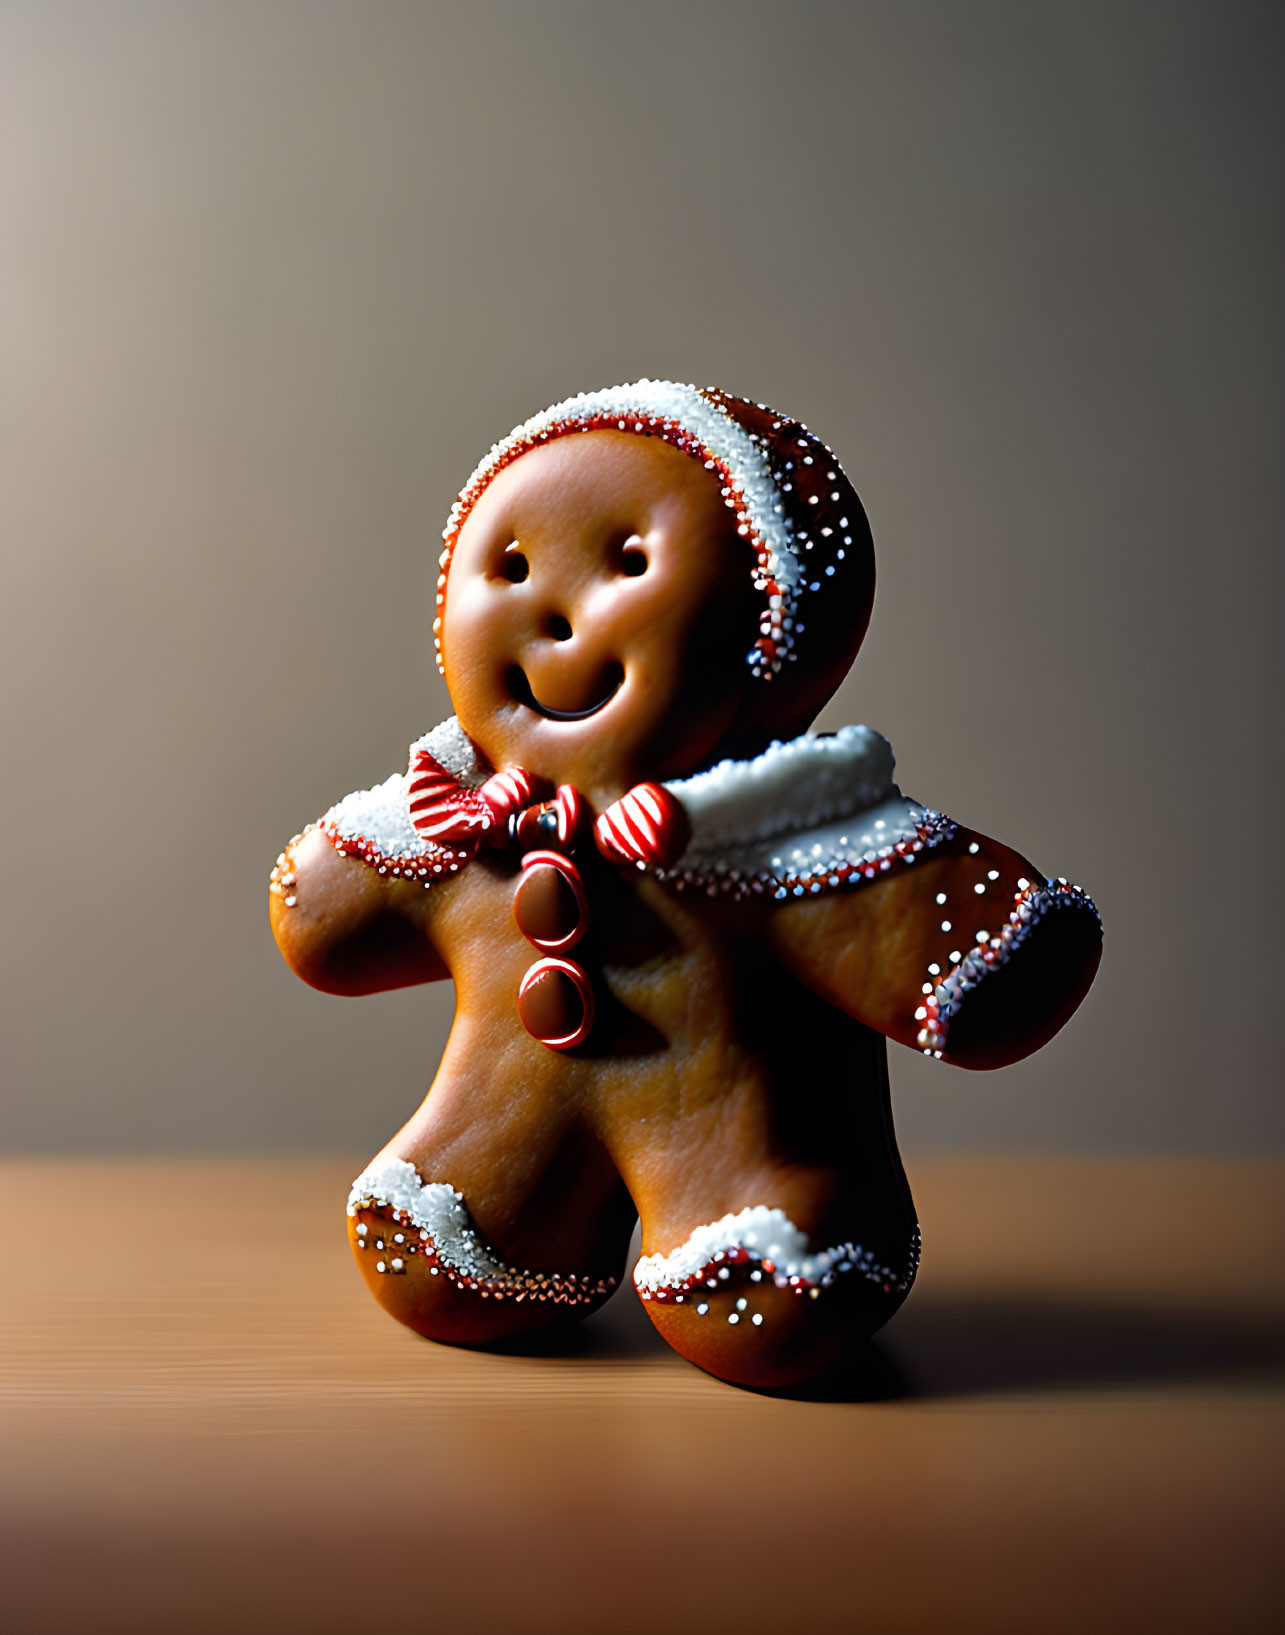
x=549, y=905
x=555, y=1003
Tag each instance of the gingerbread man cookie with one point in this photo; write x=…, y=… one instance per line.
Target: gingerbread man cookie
x=680, y=926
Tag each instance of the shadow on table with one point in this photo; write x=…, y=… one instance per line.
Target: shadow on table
x=990, y=1344
x=983, y=1345
x=620, y=1331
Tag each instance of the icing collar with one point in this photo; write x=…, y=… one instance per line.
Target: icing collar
x=802, y=816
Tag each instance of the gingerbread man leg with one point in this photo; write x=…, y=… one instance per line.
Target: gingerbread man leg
x=788, y=1232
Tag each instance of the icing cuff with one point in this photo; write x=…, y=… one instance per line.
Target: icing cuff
x=437, y=1228
x=990, y=953
x=765, y=1242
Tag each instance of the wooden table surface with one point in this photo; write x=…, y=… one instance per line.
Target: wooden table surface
x=1074, y=1425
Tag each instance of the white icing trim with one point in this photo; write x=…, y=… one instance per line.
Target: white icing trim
x=451, y=747
x=766, y=1235
x=797, y=813
x=382, y=816
x=436, y=1208
x=725, y=439
x=858, y=839
x=808, y=860
x=799, y=785
x=433, y=1207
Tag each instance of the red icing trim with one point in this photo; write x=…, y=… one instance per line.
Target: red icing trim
x=437, y=863
x=931, y=832
x=732, y=1264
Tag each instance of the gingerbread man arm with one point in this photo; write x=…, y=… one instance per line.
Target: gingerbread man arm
x=344, y=927
x=967, y=953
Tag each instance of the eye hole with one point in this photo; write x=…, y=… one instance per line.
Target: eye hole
x=633, y=559
x=515, y=566
x=559, y=628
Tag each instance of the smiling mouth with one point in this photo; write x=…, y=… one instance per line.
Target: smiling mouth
x=613, y=676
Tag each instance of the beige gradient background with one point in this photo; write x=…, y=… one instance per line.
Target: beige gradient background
x=275, y=275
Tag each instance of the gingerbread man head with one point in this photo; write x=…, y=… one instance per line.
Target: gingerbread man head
x=642, y=581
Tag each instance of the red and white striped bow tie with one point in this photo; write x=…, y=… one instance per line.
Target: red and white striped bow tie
x=645, y=826
x=449, y=813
